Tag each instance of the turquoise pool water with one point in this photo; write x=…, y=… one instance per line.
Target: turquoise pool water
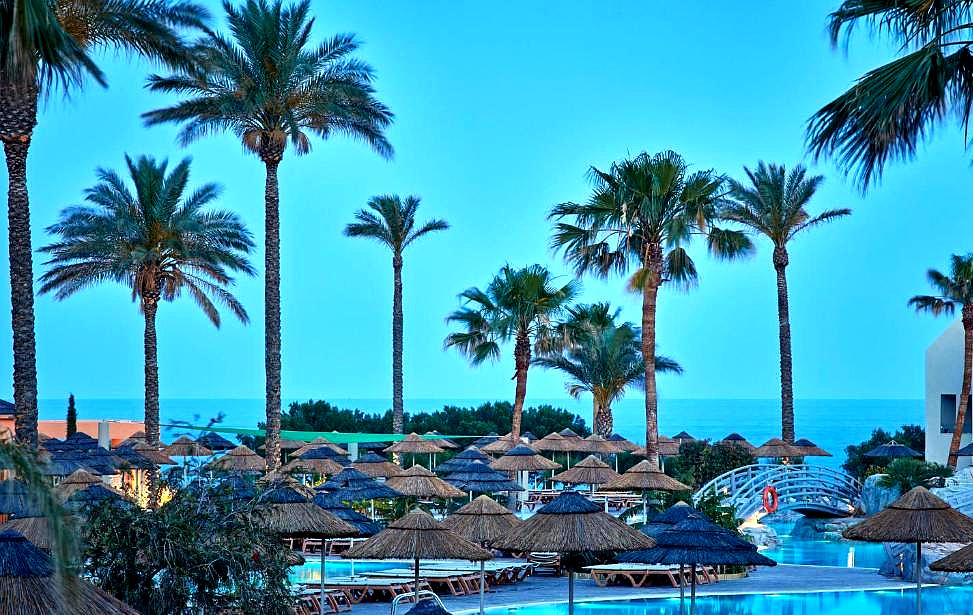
x=828, y=553
x=936, y=601
x=310, y=572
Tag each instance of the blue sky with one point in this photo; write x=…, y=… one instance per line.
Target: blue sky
x=500, y=110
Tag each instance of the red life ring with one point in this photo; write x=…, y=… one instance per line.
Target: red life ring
x=770, y=499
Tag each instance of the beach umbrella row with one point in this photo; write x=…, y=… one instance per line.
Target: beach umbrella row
x=478, y=477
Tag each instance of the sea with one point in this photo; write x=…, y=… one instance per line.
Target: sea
x=832, y=424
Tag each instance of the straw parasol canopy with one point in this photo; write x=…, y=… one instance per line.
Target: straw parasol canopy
x=478, y=477
x=501, y=445
x=35, y=529
x=599, y=445
x=79, y=479
x=775, y=447
x=588, y=471
x=567, y=432
x=153, y=454
x=287, y=512
x=666, y=445
x=623, y=443
x=240, y=459
x=184, y=446
x=644, y=476
x=376, y=466
x=442, y=442
x=28, y=585
x=353, y=485
x=303, y=465
x=215, y=442
x=894, y=450
x=483, y=441
x=957, y=561
x=482, y=521
x=316, y=443
x=460, y=461
x=918, y=516
x=93, y=496
x=735, y=439
x=966, y=451
x=683, y=436
x=551, y=443
x=414, y=444
x=669, y=517
x=523, y=458
x=331, y=503
x=576, y=528
x=810, y=449
x=418, y=536
x=419, y=482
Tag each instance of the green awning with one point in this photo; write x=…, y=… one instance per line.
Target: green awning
x=335, y=436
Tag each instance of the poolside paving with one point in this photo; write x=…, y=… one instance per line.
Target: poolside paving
x=780, y=579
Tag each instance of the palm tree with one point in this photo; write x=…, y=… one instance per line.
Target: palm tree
x=642, y=213
x=519, y=305
x=955, y=291
x=601, y=357
x=392, y=222
x=44, y=46
x=773, y=204
x=888, y=111
x=269, y=86
x=156, y=239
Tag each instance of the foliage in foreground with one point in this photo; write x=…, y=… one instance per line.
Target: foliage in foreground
x=200, y=551
x=861, y=467
x=908, y=473
x=489, y=417
x=700, y=461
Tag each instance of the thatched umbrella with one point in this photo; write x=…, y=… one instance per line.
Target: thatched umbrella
x=644, y=477
x=98, y=464
x=482, y=521
x=351, y=485
x=574, y=526
x=894, y=450
x=668, y=518
x=777, y=448
x=79, y=479
x=419, y=482
x=966, y=451
x=241, y=459
x=418, y=536
x=153, y=454
x=414, y=444
x=287, y=512
x=376, y=466
x=623, y=443
x=460, y=461
x=478, y=477
x=683, y=436
x=810, y=449
x=184, y=446
x=62, y=467
x=523, y=458
x=600, y=446
x=304, y=465
x=589, y=471
x=16, y=499
x=215, y=442
x=918, y=516
x=551, y=443
x=443, y=442
x=483, y=441
x=333, y=504
x=501, y=445
x=735, y=439
x=696, y=541
x=316, y=443
x=36, y=529
x=567, y=432
x=94, y=496
x=28, y=585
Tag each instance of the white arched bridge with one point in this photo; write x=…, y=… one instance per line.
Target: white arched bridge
x=812, y=490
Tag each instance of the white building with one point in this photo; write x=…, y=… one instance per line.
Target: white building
x=944, y=379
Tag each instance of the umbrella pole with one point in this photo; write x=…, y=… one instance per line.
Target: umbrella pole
x=571, y=592
x=482, y=583
x=415, y=588
x=918, y=578
x=692, y=591
x=324, y=550
x=682, y=589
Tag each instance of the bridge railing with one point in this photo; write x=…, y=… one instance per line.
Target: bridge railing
x=797, y=485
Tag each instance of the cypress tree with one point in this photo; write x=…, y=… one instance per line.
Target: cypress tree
x=72, y=419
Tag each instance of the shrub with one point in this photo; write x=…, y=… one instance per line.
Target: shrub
x=861, y=467
x=700, y=461
x=908, y=473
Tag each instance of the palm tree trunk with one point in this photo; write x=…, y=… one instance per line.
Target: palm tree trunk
x=272, y=344
x=601, y=421
x=964, y=396
x=18, y=116
x=786, y=368
x=522, y=362
x=398, y=411
x=149, y=307
x=650, y=296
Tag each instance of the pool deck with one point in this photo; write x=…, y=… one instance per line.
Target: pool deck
x=781, y=579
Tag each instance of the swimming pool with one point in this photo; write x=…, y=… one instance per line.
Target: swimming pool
x=310, y=572
x=935, y=600
x=828, y=553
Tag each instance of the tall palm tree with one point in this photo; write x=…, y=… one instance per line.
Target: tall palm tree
x=601, y=357
x=642, y=213
x=889, y=110
x=269, y=85
x=518, y=305
x=392, y=221
x=44, y=46
x=773, y=204
x=955, y=291
x=156, y=239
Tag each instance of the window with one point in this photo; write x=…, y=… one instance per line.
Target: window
x=947, y=414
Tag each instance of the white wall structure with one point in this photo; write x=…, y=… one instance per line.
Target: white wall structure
x=944, y=378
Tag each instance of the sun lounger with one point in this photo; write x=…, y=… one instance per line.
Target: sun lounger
x=359, y=588
x=496, y=572
x=635, y=575
x=458, y=583
x=310, y=602
x=550, y=562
